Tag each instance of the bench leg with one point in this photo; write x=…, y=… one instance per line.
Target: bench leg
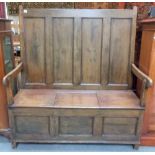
x=6, y=133
x=136, y=146
x=14, y=144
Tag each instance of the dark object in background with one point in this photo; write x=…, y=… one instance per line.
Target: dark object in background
x=152, y=12
x=6, y=65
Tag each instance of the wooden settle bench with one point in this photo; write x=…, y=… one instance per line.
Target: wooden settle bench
x=77, y=78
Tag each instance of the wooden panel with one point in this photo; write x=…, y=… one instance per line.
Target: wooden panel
x=75, y=112
x=116, y=99
x=97, y=126
x=49, y=51
x=75, y=125
x=91, y=50
x=105, y=51
x=120, y=126
x=119, y=129
x=35, y=98
x=120, y=121
x=74, y=100
x=63, y=49
x=75, y=47
x=32, y=124
x=77, y=51
x=35, y=54
x=119, y=51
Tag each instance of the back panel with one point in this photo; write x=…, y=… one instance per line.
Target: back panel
x=77, y=49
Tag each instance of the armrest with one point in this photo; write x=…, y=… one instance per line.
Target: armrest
x=12, y=74
x=142, y=76
x=146, y=82
x=6, y=81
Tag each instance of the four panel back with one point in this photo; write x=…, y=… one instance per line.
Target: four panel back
x=77, y=49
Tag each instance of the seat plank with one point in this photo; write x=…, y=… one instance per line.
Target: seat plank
x=76, y=100
x=118, y=99
x=34, y=98
x=101, y=99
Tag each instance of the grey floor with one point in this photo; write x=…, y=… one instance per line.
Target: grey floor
x=5, y=146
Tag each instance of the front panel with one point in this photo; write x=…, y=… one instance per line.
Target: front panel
x=71, y=125
x=119, y=126
x=75, y=125
x=32, y=125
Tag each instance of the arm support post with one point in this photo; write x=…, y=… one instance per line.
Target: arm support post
x=146, y=82
x=7, y=84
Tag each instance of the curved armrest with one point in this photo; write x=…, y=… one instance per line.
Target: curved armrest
x=142, y=76
x=6, y=81
x=146, y=82
x=12, y=74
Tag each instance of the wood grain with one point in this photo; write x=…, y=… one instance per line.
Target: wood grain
x=75, y=125
x=91, y=50
x=63, y=50
x=120, y=47
x=35, y=46
x=122, y=99
x=77, y=49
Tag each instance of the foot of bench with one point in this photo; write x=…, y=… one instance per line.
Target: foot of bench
x=136, y=146
x=6, y=133
x=14, y=144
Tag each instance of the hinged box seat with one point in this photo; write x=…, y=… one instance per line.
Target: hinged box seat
x=105, y=99
x=76, y=116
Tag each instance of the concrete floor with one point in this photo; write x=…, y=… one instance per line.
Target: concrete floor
x=5, y=146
